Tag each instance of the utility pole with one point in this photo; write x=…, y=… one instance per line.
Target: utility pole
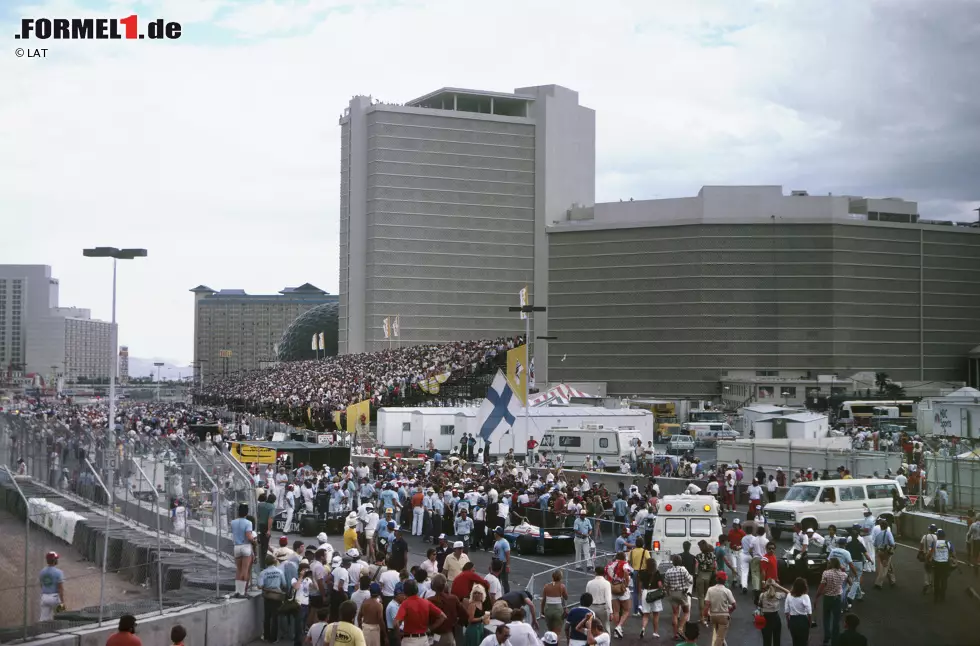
x=528, y=311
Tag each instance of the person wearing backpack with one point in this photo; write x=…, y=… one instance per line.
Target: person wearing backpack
x=942, y=556
x=619, y=573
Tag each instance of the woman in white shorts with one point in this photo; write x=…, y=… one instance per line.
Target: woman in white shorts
x=242, y=534
x=650, y=580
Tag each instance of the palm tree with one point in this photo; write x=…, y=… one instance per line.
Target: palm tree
x=881, y=381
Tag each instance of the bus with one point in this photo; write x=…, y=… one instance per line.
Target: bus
x=863, y=412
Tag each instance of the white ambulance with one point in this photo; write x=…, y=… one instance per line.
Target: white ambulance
x=681, y=518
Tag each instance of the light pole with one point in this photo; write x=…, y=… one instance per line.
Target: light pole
x=159, y=365
x=785, y=395
x=115, y=254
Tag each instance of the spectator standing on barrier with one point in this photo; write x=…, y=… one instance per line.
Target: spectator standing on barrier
x=243, y=539
x=973, y=544
x=127, y=633
x=583, y=539
x=52, y=581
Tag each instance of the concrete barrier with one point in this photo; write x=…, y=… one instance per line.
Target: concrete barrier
x=913, y=524
x=228, y=624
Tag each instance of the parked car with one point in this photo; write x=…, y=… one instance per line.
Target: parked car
x=680, y=444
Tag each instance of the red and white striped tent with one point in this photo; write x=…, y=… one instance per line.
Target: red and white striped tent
x=561, y=394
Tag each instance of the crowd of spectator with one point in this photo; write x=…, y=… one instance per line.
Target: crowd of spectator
x=313, y=389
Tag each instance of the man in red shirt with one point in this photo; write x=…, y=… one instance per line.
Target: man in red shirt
x=127, y=633
x=419, y=616
x=735, y=535
x=463, y=583
x=769, y=564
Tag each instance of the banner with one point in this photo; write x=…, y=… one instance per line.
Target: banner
x=336, y=419
x=522, y=295
x=247, y=453
x=517, y=371
x=386, y=326
x=396, y=327
x=354, y=414
x=431, y=384
x=323, y=346
x=313, y=347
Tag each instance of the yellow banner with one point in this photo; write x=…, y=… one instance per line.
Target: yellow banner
x=336, y=418
x=247, y=454
x=517, y=371
x=354, y=415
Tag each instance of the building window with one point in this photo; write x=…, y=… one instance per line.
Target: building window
x=766, y=373
x=766, y=392
x=787, y=391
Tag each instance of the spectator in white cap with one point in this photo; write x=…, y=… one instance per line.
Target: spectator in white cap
x=455, y=562
x=549, y=638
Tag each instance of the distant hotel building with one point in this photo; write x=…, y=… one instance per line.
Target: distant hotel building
x=123, y=370
x=682, y=297
x=37, y=336
x=443, y=207
x=235, y=331
x=452, y=202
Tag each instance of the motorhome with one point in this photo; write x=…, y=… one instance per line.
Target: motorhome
x=573, y=445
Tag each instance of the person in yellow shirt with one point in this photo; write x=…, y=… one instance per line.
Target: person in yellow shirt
x=350, y=532
x=638, y=557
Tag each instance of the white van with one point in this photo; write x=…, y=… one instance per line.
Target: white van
x=821, y=503
x=682, y=518
x=575, y=444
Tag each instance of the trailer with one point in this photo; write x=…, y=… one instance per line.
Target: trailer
x=819, y=455
x=404, y=428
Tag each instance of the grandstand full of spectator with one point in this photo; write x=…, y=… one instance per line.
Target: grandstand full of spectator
x=316, y=388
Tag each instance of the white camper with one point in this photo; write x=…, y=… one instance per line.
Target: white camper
x=574, y=445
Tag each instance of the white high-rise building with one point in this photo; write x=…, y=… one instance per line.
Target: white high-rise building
x=443, y=207
x=27, y=294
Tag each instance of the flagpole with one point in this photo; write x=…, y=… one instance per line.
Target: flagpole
x=527, y=380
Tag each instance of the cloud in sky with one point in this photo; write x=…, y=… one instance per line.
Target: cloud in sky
x=220, y=152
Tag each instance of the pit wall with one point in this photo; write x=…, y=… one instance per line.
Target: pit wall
x=232, y=623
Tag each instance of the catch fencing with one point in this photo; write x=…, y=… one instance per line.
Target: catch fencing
x=139, y=527
x=961, y=477
x=793, y=457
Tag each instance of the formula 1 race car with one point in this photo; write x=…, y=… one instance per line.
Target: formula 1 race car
x=790, y=568
x=525, y=538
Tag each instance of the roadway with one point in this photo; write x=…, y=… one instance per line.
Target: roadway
x=889, y=616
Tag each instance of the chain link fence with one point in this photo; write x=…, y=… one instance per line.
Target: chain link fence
x=141, y=527
x=961, y=478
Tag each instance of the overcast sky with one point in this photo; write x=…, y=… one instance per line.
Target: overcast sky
x=219, y=152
